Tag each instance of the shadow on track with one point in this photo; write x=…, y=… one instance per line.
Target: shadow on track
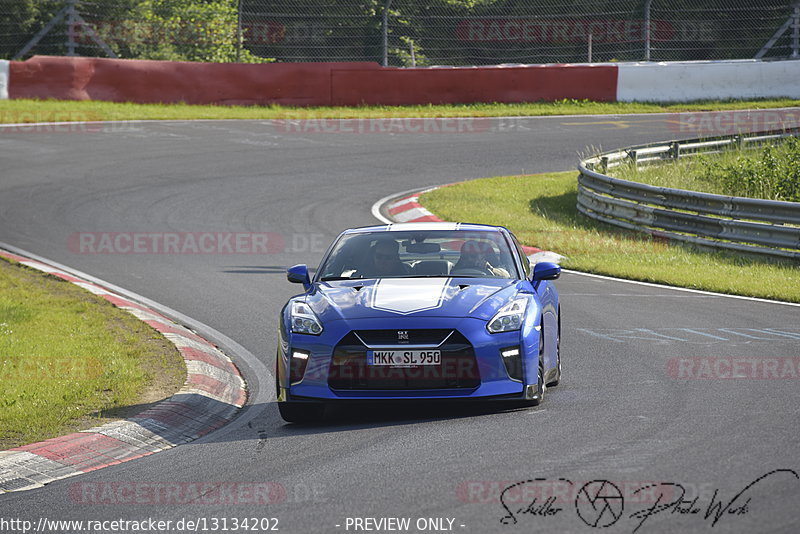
x=352, y=416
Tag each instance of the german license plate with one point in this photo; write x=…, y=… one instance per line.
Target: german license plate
x=404, y=358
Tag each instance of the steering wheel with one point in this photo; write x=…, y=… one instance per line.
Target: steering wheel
x=468, y=271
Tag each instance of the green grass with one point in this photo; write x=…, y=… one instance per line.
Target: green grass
x=771, y=172
x=24, y=111
x=540, y=210
x=69, y=360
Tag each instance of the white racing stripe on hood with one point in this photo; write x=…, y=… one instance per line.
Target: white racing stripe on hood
x=408, y=295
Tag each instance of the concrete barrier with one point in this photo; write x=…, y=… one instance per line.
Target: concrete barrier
x=3, y=79
x=144, y=81
x=301, y=84
x=463, y=85
x=351, y=84
x=708, y=80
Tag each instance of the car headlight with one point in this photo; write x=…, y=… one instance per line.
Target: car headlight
x=509, y=317
x=304, y=320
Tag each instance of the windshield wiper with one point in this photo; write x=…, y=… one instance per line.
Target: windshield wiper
x=334, y=278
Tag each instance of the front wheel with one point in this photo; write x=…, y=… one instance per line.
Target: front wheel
x=297, y=412
x=540, y=387
x=555, y=381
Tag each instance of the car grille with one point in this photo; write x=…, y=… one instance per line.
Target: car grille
x=349, y=369
x=384, y=338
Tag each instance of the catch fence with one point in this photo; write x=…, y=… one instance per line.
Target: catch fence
x=404, y=32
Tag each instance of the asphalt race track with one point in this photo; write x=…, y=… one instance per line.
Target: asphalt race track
x=635, y=408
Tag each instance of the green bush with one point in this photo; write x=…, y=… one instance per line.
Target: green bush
x=774, y=173
x=184, y=30
x=771, y=172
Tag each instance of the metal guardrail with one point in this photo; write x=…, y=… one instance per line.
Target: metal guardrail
x=737, y=223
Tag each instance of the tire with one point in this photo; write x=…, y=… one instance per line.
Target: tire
x=557, y=379
x=540, y=388
x=277, y=378
x=296, y=412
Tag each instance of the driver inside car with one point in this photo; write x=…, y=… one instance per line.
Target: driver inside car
x=474, y=257
x=384, y=261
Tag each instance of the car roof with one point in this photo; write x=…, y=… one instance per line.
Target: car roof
x=421, y=226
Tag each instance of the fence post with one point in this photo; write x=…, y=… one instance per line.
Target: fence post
x=590, y=48
x=796, y=31
x=386, y=32
x=72, y=20
x=239, y=36
x=647, y=29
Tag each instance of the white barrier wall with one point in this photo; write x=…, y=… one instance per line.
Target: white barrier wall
x=3, y=79
x=704, y=80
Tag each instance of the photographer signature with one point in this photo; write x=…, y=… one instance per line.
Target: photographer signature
x=601, y=503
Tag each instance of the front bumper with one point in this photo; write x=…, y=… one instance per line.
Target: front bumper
x=493, y=379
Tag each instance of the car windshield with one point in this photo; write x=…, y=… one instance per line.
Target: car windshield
x=419, y=254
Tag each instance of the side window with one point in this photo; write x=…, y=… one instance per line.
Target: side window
x=526, y=264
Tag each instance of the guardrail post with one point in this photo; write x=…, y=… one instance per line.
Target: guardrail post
x=604, y=164
x=675, y=150
x=634, y=157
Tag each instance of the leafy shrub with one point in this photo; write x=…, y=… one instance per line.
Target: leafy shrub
x=774, y=173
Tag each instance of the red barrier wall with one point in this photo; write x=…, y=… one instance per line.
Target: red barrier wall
x=80, y=78
x=301, y=84
x=396, y=86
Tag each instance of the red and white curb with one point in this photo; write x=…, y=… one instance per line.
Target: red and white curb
x=213, y=393
x=407, y=208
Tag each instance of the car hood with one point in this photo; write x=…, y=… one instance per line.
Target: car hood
x=419, y=297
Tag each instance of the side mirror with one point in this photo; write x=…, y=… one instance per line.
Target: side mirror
x=545, y=271
x=298, y=274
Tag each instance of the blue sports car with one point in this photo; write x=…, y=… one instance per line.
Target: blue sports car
x=419, y=311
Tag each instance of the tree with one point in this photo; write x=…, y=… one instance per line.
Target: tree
x=181, y=30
